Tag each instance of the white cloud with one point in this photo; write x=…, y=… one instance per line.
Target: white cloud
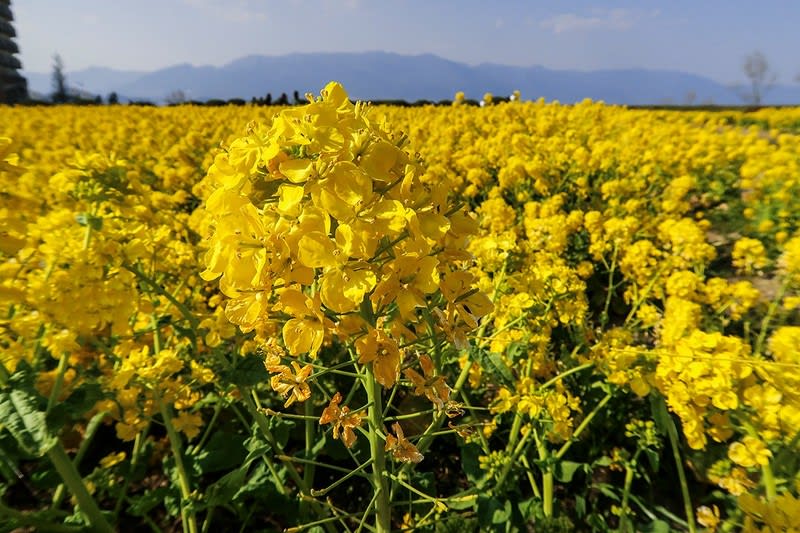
x=598, y=19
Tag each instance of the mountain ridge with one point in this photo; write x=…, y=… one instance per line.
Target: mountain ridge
x=377, y=75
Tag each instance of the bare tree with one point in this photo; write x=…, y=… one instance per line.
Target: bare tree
x=176, y=97
x=761, y=78
x=59, y=80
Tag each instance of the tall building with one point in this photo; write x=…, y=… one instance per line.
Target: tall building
x=13, y=87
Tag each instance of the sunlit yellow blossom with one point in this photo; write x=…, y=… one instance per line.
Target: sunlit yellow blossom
x=749, y=452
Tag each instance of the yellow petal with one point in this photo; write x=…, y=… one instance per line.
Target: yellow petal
x=343, y=290
x=379, y=159
x=289, y=200
x=316, y=249
x=303, y=336
x=297, y=170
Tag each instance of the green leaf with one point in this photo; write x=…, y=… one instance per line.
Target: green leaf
x=81, y=400
x=656, y=526
x=580, y=506
x=224, y=489
x=660, y=413
x=652, y=458
x=86, y=219
x=564, y=470
x=495, y=365
x=469, y=462
x=608, y=490
x=493, y=512
x=255, y=451
x=223, y=451
x=527, y=508
x=461, y=504
x=281, y=428
x=21, y=416
x=249, y=371
x=603, y=461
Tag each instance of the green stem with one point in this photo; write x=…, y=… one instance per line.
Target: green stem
x=426, y=438
x=383, y=512
x=769, y=481
x=308, y=469
x=513, y=455
x=302, y=461
x=31, y=519
x=582, y=426
x=641, y=298
x=309, y=525
x=72, y=479
x=355, y=472
x=773, y=307
x=187, y=514
x=207, y=433
x=566, y=373
x=630, y=469
x=611, y=287
x=61, y=370
x=138, y=443
x=91, y=429
x=547, y=475
x=514, y=435
x=529, y=474
x=416, y=491
x=263, y=424
x=672, y=432
x=187, y=314
x=767, y=476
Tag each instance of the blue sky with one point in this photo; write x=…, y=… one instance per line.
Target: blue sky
x=707, y=37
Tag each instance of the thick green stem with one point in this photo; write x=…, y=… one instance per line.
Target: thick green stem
x=91, y=429
x=187, y=514
x=769, y=481
x=547, y=477
x=383, y=511
x=72, y=479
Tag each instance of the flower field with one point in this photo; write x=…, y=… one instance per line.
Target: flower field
x=524, y=316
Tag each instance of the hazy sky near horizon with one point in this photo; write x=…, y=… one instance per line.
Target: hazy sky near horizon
x=706, y=37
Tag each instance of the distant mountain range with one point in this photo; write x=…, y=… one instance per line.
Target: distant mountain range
x=389, y=76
